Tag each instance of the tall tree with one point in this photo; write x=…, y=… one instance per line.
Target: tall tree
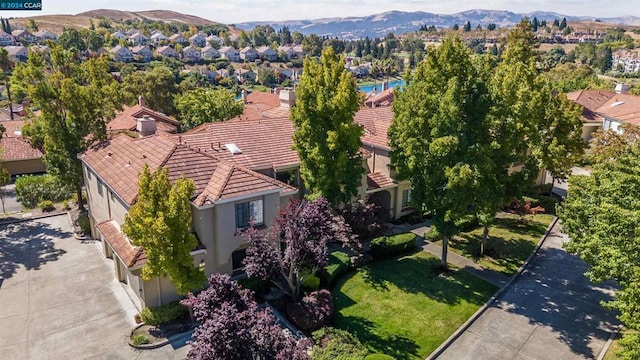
x=609, y=145
x=438, y=134
x=157, y=85
x=467, y=27
x=160, y=222
x=312, y=45
x=326, y=137
x=601, y=214
x=202, y=105
x=232, y=326
x=295, y=245
x=6, y=64
x=76, y=99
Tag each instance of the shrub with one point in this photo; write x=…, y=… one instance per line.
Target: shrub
x=313, y=311
x=46, y=205
x=547, y=202
x=140, y=340
x=157, y=315
x=390, y=245
x=311, y=283
x=258, y=286
x=433, y=234
x=338, y=263
x=379, y=357
x=32, y=189
x=331, y=343
x=363, y=218
x=83, y=223
x=65, y=205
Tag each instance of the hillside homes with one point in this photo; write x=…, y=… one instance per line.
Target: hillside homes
x=6, y=39
x=627, y=61
x=121, y=53
x=229, y=52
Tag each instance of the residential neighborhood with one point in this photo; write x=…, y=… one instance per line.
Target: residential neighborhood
x=176, y=187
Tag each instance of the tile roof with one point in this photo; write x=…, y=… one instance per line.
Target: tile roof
x=257, y=103
x=376, y=122
x=591, y=100
x=379, y=181
x=384, y=98
x=126, y=119
x=129, y=254
x=16, y=148
x=5, y=115
x=622, y=107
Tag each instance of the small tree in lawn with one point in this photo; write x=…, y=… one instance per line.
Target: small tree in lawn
x=160, y=222
x=232, y=327
x=295, y=246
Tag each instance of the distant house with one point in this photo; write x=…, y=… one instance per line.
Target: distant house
x=158, y=37
x=118, y=35
x=167, y=51
x=246, y=75
x=198, y=39
x=209, y=52
x=17, y=52
x=121, y=53
x=126, y=119
x=214, y=39
x=224, y=73
x=6, y=39
x=191, y=53
x=131, y=32
x=19, y=157
x=288, y=51
x=178, y=39
x=142, y=53
x=229, y=52
x=359, y=70
x=267, y=53
x=46, y=35
x=138, y=39
x=299, y=52
x=627, y=61
x=41, y=48
x=249, y=54
x=23, y=36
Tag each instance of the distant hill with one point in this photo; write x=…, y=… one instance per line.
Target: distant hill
x=57, y=22
x=400, y=22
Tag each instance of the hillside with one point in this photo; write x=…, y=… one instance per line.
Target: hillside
x=399, y=22
x=56, y=23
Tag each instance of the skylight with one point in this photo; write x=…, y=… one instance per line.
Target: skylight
x=617, y=103
x=233, y=148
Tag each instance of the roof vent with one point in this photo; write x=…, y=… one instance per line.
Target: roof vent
x=233, y=148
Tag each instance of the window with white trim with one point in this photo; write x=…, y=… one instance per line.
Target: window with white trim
x=249, y=213
x=406, y=198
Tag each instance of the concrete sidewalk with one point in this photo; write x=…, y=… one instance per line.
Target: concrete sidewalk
x=552, y=311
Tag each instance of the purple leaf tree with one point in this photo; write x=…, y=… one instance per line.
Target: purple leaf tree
x=295, y=245
x=231, y=326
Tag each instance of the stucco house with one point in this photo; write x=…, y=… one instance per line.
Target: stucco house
x=199, y=39
x=42, y=35
x=121, y=53
x=249, y=53
x=126, y=119
x=178, y=39
x=167, y=51
x=118, y=35
x=17, y=52
x=229, y=52
x=142, y=53
x=191, y=53
x=24, y=36
x=214, y=39
x=267, y=53
x=18, y=156
x=138, y=39
x=157, y=37
x=6, y=39
x=288, y=51
x=209, y=52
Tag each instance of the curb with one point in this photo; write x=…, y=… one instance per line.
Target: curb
x=607, y=345
x=156, y=345
x=437, y=352
x=43, y=216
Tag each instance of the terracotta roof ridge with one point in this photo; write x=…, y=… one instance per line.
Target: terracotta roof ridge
x=229, y=172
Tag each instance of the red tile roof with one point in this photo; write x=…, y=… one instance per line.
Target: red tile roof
x=591, y=100
x=622, y=107
x=376, y=123
x=384, y=98
x=258, y=102
x=379, y=181
x=126, y=119
x=131, y=255
x=16, y=149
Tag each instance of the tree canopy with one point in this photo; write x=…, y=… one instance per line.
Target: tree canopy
x=326, y=137
x=157, y=85
x=160, y=221
x=76, y=98
x=601, y=214
x=203, y=105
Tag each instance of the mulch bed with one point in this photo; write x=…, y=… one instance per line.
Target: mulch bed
x=160, y=333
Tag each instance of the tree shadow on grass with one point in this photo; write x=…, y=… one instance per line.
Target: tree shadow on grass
x=422, y=275
x=29, y=244
x=396, y=345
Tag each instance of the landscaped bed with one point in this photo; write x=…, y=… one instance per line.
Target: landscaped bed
x=404, y=306
x=510, y=242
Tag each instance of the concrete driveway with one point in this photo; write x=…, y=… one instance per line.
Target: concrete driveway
x=551, y=312
x=11, y=205
x=59, y=298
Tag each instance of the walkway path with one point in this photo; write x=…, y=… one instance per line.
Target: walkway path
x=550, y=312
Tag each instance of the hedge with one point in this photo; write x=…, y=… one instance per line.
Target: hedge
x=156, y=315
x=33, y=189
x=338, y=263
x=390, y=245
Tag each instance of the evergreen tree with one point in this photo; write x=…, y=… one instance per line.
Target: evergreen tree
x=563, y=24
x=607, y=60
x=160, y=222
x=556, y=22
x=467, y=27
x=455, y=27
x=326, y=138
x=534, y=24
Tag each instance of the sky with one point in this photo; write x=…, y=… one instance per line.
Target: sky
x=235, y=11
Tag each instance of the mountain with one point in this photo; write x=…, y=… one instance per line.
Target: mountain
x=398, y=22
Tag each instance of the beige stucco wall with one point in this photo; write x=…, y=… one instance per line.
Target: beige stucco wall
x=158, y=291
x=588, y=129
x=20, y=167
x=398, y=210
x=203, y=225
x=103, y=202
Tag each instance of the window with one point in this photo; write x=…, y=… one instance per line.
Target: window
x=406, y=198
x=100, y=190
x=249, y=213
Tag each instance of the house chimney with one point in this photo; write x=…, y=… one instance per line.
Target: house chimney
x=146, y=125
x=142, y=101
x=244, y=96
x=384, y=86
x=622, y=88
x=287, y=98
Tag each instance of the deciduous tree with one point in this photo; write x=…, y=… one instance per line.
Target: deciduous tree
x=157, y=85
x=608, y=145
x=601, y=214
x=160, y=221
x=231, y=326
x=202, y=105
x=295, y=246
x=76, y=98
x=326, y=137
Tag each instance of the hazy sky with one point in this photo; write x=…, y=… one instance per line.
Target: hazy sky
x=234, y=11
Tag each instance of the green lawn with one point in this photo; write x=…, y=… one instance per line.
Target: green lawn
x=402, y=307
x=509, y=243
